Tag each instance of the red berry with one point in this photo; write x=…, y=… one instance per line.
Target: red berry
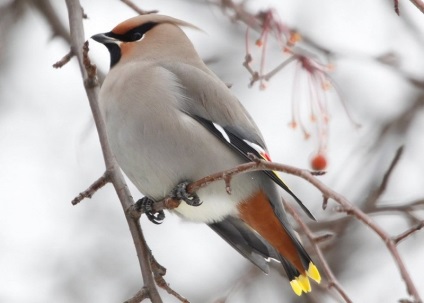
x=319, y=162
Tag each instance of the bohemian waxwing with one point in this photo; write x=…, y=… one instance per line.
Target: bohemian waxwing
x=171, y=120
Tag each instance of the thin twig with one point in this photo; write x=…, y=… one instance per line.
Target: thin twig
x=49, y=13
x=89, y=192
x=371, y=206
x=84, y=15
x=322, y=238
x=396, y=5
x=241, y=14
x=256, y=76
x=375, y=195
x=58, y=28
x=391, y=168
x=278, y=68
x=332, y=280
x=64, y=60
x=408, y=232
x=158, y=272
x=137, y=9
x=139, y=296
x=405, y=209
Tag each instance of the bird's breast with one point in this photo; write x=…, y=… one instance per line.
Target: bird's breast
x=158, y=146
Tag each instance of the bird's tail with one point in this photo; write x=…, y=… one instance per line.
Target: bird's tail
x=300, y=281
x=258, y=213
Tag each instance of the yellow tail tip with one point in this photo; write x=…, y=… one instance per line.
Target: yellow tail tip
x=313, y=273
x=304, y=283
x=296, y=287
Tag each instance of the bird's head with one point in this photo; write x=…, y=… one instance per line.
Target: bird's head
x=149, y=36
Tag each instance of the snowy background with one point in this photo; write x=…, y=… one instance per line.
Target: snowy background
x=51, y=251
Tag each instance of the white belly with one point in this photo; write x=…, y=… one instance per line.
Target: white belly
x=217, y=203
x=213, y=209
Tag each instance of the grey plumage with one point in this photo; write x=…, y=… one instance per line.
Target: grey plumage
x=155, y=100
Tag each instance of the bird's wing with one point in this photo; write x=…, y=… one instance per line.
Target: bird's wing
x=250, y=244
x=246, y=241
x=245, y=147
x=207, y=99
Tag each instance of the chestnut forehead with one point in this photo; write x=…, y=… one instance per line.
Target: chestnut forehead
x=126, y=26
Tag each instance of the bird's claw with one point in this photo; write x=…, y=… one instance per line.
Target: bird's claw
x=145, y=204
x=180, y=193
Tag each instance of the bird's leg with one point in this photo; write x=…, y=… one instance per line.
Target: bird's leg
x=145, y=204
x=180, y=193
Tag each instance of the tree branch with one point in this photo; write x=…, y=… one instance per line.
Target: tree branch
x=64, y=60
x=418, y=4
x=344, y=206
x=375, y=194
x=89, y=192
x=137, y=9
x=139, y=296
x=92, y=90
x=332, y=280
x=46, y=9
x=408, y=232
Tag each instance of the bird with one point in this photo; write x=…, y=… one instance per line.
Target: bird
x=170, y=120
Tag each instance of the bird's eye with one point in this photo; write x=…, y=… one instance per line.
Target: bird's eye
x=136, y=36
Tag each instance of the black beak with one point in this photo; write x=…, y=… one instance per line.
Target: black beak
x=104, y=39
x=112, y=44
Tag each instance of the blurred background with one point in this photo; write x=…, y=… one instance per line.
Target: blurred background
x=51, y=251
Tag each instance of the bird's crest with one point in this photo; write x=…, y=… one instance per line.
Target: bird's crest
x=137, y=21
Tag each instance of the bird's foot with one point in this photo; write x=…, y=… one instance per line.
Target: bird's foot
x=180, y=193
x=145, y=204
